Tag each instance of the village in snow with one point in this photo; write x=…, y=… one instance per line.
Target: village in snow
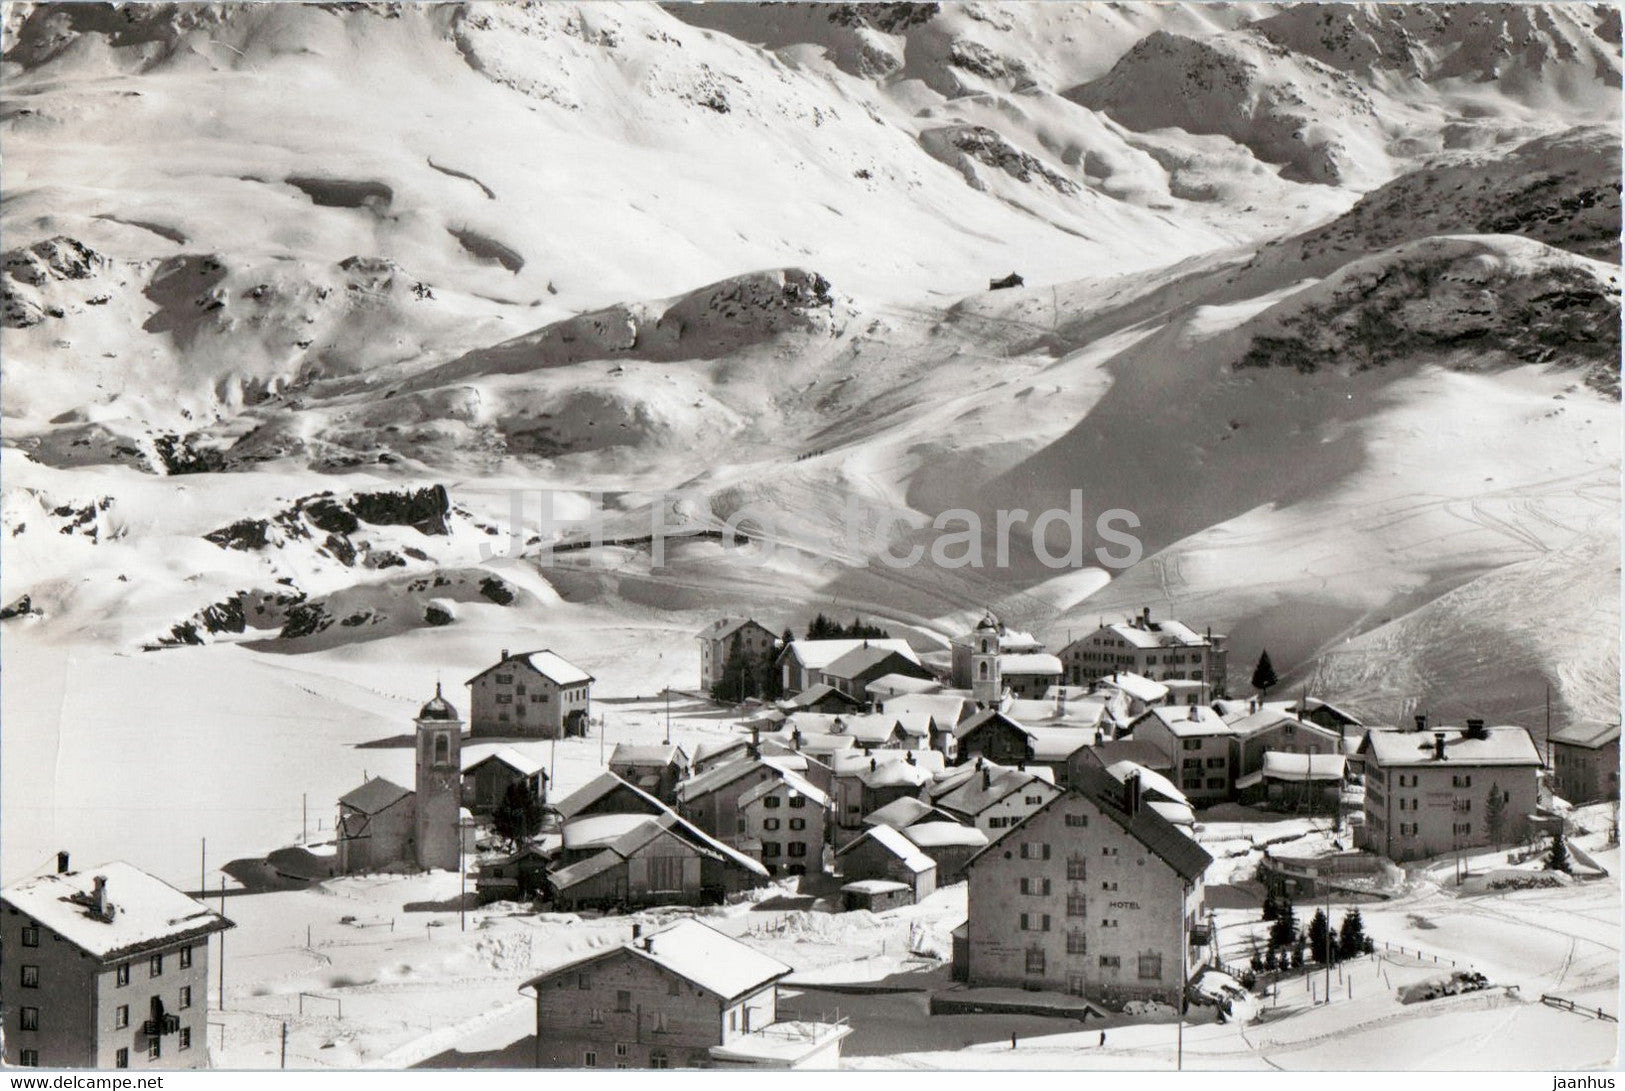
x=966, y=535
x=1002, y=857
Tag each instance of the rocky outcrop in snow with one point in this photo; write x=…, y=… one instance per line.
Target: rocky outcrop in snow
x=964, y=146
x=1472, y=303
x=1288, y=108
x=30, y=274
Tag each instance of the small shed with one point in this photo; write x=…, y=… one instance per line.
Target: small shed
x=876, y=895
x=884, y=853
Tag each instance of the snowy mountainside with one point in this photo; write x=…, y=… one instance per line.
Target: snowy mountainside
x=1342, y=333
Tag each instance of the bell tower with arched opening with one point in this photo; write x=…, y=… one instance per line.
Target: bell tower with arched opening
x=439, y=784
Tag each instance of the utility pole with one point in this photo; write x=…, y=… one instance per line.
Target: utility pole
x=1179, y=1048
x=283, y=1063
x=462, y=875
x=1328, y=941
x=304, y=818
x=221, y=1003
x=203, y=868
x=668, y=715
x=1546, y=758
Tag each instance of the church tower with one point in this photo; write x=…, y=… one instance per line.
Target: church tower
x=439, y=784
x=986, y=685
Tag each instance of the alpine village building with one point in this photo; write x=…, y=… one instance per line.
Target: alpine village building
x=106, y=968
x=1094, y=894
x=1159, y=650
x=1428, y=792
x=685, y=996
x=531, y=695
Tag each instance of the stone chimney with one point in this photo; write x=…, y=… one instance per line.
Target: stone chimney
x=987, y=779
x=1421, y=721
x=1475, y=730
x=62, y=863
x=1438, y=746
x=1145, y=617
x=1131, y=793
x=637, y=930
x=98, y=898
x=504, y=655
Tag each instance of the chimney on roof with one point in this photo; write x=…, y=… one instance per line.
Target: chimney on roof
x=1438, y=746
x=98, y=895
x=795, y=738
x=1131, y=793
x=1145, y=617
x=1021, y=765
x=987, y=779
x=504, y=653
x=873, y=764
x=1099, y=738
x=637, y=930
x=62, y=863
x=1252, y=704
x=648, y=943
x=1421, y=721
x=1475, y=730
x=755, y=748
x=1061, y=704
x=908, y=756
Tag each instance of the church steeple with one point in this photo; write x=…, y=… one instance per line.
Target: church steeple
x=439, y=783
x=986, y=684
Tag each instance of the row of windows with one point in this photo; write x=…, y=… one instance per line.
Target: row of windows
x=1213, y=783
x=795, y=801
x=770, y=849
x=155, y=1048
x=1150, y=965
x=658, y=1058
x=773, y=824
x=30, y=977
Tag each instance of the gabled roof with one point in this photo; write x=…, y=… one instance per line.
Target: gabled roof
x=1138, y=751
x=1029, y=663
x=895, y=843
x=549, y=664
x=970, y=797
x=504, y=755
x=725, y=627
x=720, y=776
x=907, y=766
x=1503, y=746
x=1136, y=686
x=1160, y=836
x=937, y=835
x=1588, y=733
x=904, y=811
x=696, y=953
x=889, y=684
x=374, y=796
x=1151, y=781
x=794, y=783
x=1184, y=721
x=1057, y=743
x=915, y=708
x=1265, y=719
x=147, y=912
x=1302, y=767
x=818, y=654
x=855, y=662
x=985, y=717
x=815, y=693
x=626, y=753
x=599, y=787
x=596, y=831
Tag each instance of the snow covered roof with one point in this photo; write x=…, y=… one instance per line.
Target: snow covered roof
x=437, y=707
x=933, y=835
x=913, y=709
x=647, y=754
x=781, y=1045
x=1138, y=751
x=855, y=662
x=709, y=749
x=1302, y=767
x=896, y=844
x=888, y=685
x=374, y=796
x=874, y=886
x=592, y=831
x=599, y=787
x=1186, y=721
x=723, y=628
x=1588, y=733
x=818, y=654
x=899, y=813
x=1266, y=719
x=895, y=774
x=502, y=755
x=1057, y=743
x=976, y=793
x=1009, y=639
x=1137, y=686
x=698, y=954
x=549, y=664
x=1029, y=663
x=856, y=763
x=1504, y=745
x=814, y=742
x=813, y=694
x=1150, y=780
x=717, y=777
x=146, y=911
x=791, y=781
x=1180, y=814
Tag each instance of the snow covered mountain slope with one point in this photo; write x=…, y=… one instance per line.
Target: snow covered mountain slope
x=1341, y=329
